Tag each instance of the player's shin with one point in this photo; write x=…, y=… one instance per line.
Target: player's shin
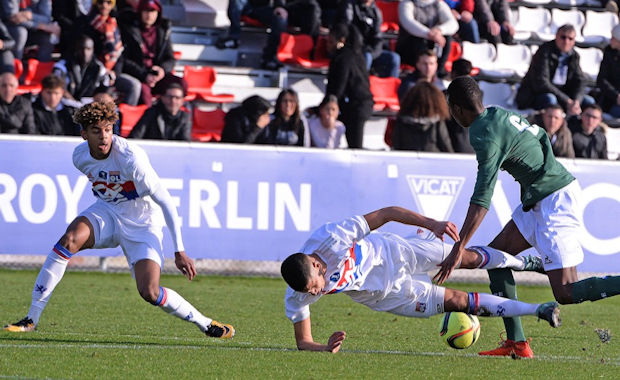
x=493, y=258
x=49, y=276
x=595, y=288
x=488, y=305
x=503, y=285
x=172, y=303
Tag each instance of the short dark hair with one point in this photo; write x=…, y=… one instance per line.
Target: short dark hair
x=554, y=106
x=92, y=113
x=296, y=271
x=566, y=28
x=52, y=81
x=465, y=92
x=593, y=106
x=461, y=67
x=426, y=53
x=175, y=85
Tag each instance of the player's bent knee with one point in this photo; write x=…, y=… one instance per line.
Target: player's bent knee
x=149, y=293
x=455, y=300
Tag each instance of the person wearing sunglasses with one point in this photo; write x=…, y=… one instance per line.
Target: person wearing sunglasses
x=554, y=76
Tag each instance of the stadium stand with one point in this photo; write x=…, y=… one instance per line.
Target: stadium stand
x=35, y=72
x=131, y=115
x=531, y=22
x=207, y=125
x=598, y=25
x=385, y=93
x=200, y=82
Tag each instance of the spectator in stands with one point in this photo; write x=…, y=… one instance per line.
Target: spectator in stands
x=277, y=14
x=553, y=119
x=30, y=23
x=66, y=13
x=51, y=116
x=425, y=24
x=463, y=11
x=493, y=18
x=425, y=70
x=81, y=71
x=421, y=121
x=459, y=136
x=148, y=59
x=245, y=124
x=15, y=111
x=554, y=76
x=608, y=80
x=165, y=120
x=367, y=18
x=326, y=130
x=288, y=126
x=105, y=94
x=329, y=13
x=347, y=79
x=102, y=27
x=6, y=55
x=589, y=138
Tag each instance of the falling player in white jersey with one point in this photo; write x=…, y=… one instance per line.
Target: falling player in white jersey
x=127, y=212
x=387, y=272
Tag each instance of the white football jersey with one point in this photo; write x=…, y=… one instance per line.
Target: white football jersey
x=123, y=182
x=365, y=265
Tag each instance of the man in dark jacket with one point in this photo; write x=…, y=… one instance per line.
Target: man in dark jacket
x=367, y=18
x=553, y=119
x=554, y=76
x=165, y=120
x=82, y=72
x=608, y=80
x=15, y=111
x=51, y=116
x=589, y=138
x=148, y=59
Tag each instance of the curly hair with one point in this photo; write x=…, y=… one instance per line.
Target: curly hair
x=91, y=114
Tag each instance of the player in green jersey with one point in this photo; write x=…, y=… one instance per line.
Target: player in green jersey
x=547, y=219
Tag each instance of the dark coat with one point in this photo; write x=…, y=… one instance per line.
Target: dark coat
x=421, y=134
x=81, y=83
x=132, y=58
x=55, y=123
x=17, y=117
x=238, y=128
x=347, y=79
x=608, y=80
x=367, y=20
x=588, y=146
x=539, y=77
x=157, y=124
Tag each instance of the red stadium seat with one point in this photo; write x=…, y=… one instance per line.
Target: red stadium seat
x=177, y=54
x=456, y=51
x=131, y=115
x=385, y=93
x=35, y=73
x=19, y=67
x=389, y=9
x=200, y=81
x=295, y=50
x=208, y=125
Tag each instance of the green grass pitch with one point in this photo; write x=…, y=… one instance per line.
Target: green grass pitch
x=96, y=326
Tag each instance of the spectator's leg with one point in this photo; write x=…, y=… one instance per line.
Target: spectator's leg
x=42, y=39
x=387, y=64
x=484, y=33
x=368, y=57
x=587, y=101
x=615, y=111
x=278, y=25
x=129, y=87
x=409, y=47
x=354, y=119
x=20, y=35
x=235, y=10
x=305, y=14
x=468, y=31
x=543, y=100
x=506, y=37
x=6, y=62
x=442, y=57
x=146, y=95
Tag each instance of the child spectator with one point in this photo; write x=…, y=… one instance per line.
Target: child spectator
x=326, y=130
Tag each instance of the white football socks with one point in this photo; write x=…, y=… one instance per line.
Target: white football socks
x=488, y=305
x=50, y=275
x=172, y=303
x=494, y=258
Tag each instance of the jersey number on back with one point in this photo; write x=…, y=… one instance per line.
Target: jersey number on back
x=523, y=126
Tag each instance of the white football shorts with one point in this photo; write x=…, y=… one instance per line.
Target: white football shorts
x=138, y=242
x=554, y=227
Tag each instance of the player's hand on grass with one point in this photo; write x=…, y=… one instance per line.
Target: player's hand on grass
x=449, y=264
x=185, y=264
x=335, y=341
x=440, y=228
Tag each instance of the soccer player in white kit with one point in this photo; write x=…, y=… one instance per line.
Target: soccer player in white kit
x=387, y=272
x=127, y=212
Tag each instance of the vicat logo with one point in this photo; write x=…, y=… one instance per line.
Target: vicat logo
x=435, y=195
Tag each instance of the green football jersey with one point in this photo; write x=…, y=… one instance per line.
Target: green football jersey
x=505, y=140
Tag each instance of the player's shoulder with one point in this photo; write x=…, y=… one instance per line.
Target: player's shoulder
x=127, y=150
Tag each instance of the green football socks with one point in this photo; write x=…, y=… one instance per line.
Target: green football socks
x=503, y=285
x=595, y=288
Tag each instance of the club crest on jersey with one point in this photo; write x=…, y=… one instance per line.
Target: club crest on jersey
x=103, y=175
x=420, y=307
x=435, y=196
x=334, y=277
x=351, y=270
x=115, y=176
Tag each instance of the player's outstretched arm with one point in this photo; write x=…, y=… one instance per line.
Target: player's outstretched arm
x=303, y=337
x=475, y=215
x=185, y=264
x=379, y=217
